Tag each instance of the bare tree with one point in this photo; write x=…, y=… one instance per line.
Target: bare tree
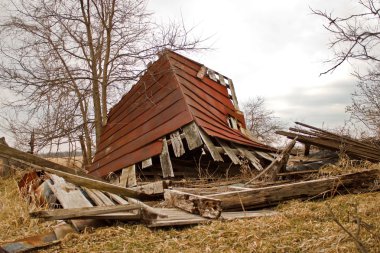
x=355, y=39
x=261, y=122
x=67, y=61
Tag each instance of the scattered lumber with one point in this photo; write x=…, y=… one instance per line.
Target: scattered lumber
x=268, y=196
x=354, y=148
x=271, y=172
x=82, y=213
x=152, y=189
x=204, y=206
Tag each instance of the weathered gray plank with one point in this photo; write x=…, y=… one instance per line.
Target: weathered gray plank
x=177, y=144
x=196, y=204
x=84, y=212
x=251, y=157
x=210, y=146
x=233, y=94
x=128, y=176
x=192, y=136
x=147, y=163
x=231, y=154
x=166, y=163
x=221, y=80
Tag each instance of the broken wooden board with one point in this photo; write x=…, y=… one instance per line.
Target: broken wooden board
x=250, y=156
x=128, y=176
x=268, y=196
x=166, y=163
x=229, y=151
x=146, y=163
x=23, y=156
x=94, y=184
x=30, y=243
x=204, y=206
x=202, y=72
x=80, y=213
x=210, y=146
x=192, y=136
x=153, y=189
x=99, y=198
x=270, y=173
x=176, y=217
x=177, y=144
x=70, y=196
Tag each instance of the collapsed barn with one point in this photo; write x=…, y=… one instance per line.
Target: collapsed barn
x=181, y=119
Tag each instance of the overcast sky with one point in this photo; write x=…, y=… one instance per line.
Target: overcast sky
x=273, y=49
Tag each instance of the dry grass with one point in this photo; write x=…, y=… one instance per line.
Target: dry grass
x=301, y=227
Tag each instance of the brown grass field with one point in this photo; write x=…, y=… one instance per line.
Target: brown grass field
x=301, y=226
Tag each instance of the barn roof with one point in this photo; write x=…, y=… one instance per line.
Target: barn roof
x=173, y=92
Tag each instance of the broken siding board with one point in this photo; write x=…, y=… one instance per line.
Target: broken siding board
x=231, y=153
x=69, y=196
x=265, y=156
x=117, y=198
x=99, y=197
x=146, y=163
x=128, y=177
x=177, y=144
x=210, y=146
x=211, y=74
x=166, y=163
x=251, y=157
x=192, y=136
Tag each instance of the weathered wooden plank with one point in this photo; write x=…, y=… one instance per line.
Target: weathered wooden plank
x=84, y=212
x=192, y=136
x=166, y=163
x=149, y=212
x=177, y=144
x=147, y=163
x=128, y=177
x=196, y=204
x=14, y=153
x=93, y=183
x=251, y=157
x=210, y=146
x=99, y=198
x=153, y=189
x=272, y=195
x=201, y=73
x=231, y=154
x=270, y=173
x=265, y=155
x=70, y=196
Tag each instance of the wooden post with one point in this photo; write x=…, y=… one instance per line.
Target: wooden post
x=166, y=163
x=4, y=162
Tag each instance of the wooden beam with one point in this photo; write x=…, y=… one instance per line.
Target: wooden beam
x=166, y=163
x=153, y=189
x=195, y=204
x=128, y=177
x=270, y=173
x=192, y=136
x=177, y=144
x=23, y=156
x=231, y=154
x=210, y=146
x=80, y=213
x=268, y=196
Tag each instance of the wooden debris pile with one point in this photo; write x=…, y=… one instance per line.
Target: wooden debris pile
x=310, y=135
x=78, y=200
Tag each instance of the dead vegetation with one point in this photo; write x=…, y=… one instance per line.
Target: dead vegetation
x=306, y=226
